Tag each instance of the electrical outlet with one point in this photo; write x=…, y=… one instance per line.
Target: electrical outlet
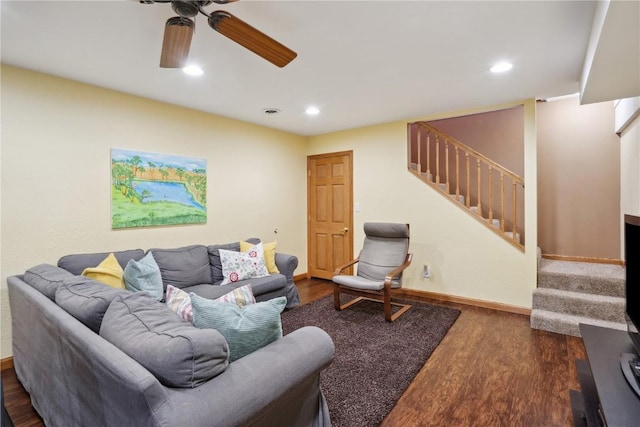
x=426, y=272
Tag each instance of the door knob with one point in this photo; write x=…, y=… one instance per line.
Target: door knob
x=344, y=230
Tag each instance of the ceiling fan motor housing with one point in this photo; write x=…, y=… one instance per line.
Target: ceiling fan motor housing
x=188, y=9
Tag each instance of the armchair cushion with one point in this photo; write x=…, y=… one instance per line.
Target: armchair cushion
x=385, y=248
x=357, y=282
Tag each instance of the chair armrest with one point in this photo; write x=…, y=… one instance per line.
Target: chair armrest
x=397, y=271
x=342, y=267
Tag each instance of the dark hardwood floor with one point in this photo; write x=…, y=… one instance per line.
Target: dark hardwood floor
x=491, y=369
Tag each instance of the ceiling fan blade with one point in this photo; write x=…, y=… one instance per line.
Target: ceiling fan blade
x=176, y=43
x=251, y=38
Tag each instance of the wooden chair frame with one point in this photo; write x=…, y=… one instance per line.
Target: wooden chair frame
x=382, y=296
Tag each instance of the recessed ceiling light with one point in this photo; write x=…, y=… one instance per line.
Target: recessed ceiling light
x=312, y=111
x=193, y=70
x=501, y=67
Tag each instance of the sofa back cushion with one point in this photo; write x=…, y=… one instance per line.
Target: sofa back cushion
x=176, y=352
x=87, y=300
x=182, y=267
x=46, y=278
x=76, y=264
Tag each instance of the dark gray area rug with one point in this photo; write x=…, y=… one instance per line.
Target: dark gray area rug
x=375, y=361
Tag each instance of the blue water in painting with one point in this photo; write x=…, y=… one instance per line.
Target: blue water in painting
x=167, y=192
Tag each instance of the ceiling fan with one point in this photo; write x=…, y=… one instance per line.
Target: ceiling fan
x=179, y=31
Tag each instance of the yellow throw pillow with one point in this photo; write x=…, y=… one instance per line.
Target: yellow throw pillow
x=269, y=254
x=108, y=272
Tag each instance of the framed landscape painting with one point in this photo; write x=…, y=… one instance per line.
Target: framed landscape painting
x=151, y=189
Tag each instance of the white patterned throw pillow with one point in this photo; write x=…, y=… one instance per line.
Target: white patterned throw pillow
x=243, y=265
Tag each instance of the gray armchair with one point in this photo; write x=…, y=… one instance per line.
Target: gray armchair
x=384, y=256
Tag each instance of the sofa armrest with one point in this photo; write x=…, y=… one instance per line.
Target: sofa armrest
x=276, y=385
x=287, y=265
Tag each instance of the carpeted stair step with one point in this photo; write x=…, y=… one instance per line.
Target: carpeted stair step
x=567, y=324
x=592, y=278
x=599, y=307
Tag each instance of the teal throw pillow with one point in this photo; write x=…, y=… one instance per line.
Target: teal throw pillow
x=247, y=328
x=144, y=275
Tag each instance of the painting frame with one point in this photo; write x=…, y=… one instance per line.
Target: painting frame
x=156, y=189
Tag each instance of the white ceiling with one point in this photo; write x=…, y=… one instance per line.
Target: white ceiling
x=360, y=62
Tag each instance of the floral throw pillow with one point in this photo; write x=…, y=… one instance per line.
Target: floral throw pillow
x=243, y=265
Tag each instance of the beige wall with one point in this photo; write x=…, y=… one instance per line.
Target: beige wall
x=499, y=135
x=467, y=259
x=56, y=136
x=630, y=169
x=55, y=171
x=496, y=134
x=578, y=179
x=629, y=173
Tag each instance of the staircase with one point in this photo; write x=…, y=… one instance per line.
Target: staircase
x=570, y=293
x=486, y=190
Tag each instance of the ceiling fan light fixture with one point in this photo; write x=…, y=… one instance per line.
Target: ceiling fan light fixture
x=178, y=32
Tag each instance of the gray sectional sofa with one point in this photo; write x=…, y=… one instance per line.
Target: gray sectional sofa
x=89, y=354
x=197, y=268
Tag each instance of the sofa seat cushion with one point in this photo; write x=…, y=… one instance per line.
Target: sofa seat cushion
x=87, y=300
x=209, y=291
x=176, y=352
x=182, y=267
x=260, y=285
x=75, y=264
x=247, y=328
x=47, y=278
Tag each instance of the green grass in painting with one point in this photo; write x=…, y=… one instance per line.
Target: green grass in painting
x=125, y=213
